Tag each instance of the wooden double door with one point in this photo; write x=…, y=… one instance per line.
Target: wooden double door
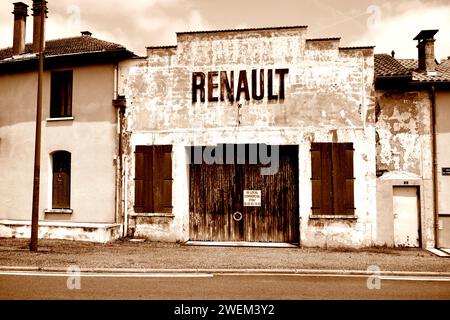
x=219, y=203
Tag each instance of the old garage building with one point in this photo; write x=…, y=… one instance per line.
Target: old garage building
x=236, y=137
x=250, y=136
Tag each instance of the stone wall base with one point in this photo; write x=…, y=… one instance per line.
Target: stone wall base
x=89, y=232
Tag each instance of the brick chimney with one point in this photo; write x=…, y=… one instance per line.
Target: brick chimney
x=37, y=5
x=20, y=20
x=426, y=50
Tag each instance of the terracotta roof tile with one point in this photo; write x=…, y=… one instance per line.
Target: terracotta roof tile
x=75, y=45
x=410, y=64
x=386, y=65
x=444, y=66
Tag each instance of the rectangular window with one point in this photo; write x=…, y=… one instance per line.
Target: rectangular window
x=153, y=179
x=61, y=94
x=332, y=179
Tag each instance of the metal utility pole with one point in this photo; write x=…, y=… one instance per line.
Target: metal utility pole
x=37, y=142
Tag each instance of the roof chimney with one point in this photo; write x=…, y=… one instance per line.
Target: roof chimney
x=20, y=20
x=86, y=33
x=393, y=54
x=426, y=50
x=37, y=8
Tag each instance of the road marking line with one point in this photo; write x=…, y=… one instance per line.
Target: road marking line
x=415, y=278
x=107, y=275
x=397, y=278
x=210, y=275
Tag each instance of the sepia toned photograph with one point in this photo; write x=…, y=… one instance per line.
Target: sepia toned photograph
x=222, y=158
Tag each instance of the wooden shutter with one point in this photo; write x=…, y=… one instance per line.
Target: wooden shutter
x=153, y=179
x=140, y=181
x=162, y=179
x=321, y=178
x=343, y=179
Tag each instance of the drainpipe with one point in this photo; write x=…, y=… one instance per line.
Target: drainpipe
x=434, y=156
x=117, y=182
x=120, y=103
x=125, y=197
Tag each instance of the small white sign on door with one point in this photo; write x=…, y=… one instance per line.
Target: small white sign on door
x=252, y=198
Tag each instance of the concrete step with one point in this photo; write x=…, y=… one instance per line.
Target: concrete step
x=439, y=252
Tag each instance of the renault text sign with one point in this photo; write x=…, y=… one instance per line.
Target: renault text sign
x=217, y=86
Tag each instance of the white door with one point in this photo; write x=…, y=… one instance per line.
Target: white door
x=406, y=217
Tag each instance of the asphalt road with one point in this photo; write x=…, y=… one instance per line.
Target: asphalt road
x=220, y=286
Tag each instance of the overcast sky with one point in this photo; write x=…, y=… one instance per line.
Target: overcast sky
x=389, y=25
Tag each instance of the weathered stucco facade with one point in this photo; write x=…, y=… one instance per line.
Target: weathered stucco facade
x=412, y=109
x=329, y=97
x=404, y=158
x=360, y=141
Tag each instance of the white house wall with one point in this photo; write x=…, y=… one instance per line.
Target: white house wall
x=90, y=138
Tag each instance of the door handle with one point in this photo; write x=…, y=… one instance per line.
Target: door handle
x=237, y=216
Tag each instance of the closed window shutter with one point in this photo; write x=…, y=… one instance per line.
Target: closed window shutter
x=327, y=178
x=167, y=179
x=162, y=179
x=139, y=180
x=332, y=179
x=343, y=179
x=349, y=178
x=316, y=176
x=322, y=192
x=153, y=179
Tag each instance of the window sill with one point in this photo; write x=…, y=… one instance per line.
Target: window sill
x=153, y=215
x=334, y=216
x=58, y=211
x=60, y=119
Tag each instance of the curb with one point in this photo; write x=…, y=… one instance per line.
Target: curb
x=228, y=271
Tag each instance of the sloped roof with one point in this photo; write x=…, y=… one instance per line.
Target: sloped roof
x=445, y=66
x=73, y=45
x=386, y=65
x=440, y=75
x=81, y=46
x=410, y=64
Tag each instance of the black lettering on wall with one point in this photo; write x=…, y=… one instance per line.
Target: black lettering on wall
x=282, y=73
x=196, y=86
x=255, y=95
x=226, y=86
x=212, y=85
x=270, y=94
x=242, y=86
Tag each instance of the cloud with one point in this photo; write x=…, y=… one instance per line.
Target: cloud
x=135, y=24
x=140, y=23
x=401, y=22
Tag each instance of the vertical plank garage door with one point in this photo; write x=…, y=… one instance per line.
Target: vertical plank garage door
x=406, y=217
x=217, y=192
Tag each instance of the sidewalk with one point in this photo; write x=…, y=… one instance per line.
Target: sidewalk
x=149, y=256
